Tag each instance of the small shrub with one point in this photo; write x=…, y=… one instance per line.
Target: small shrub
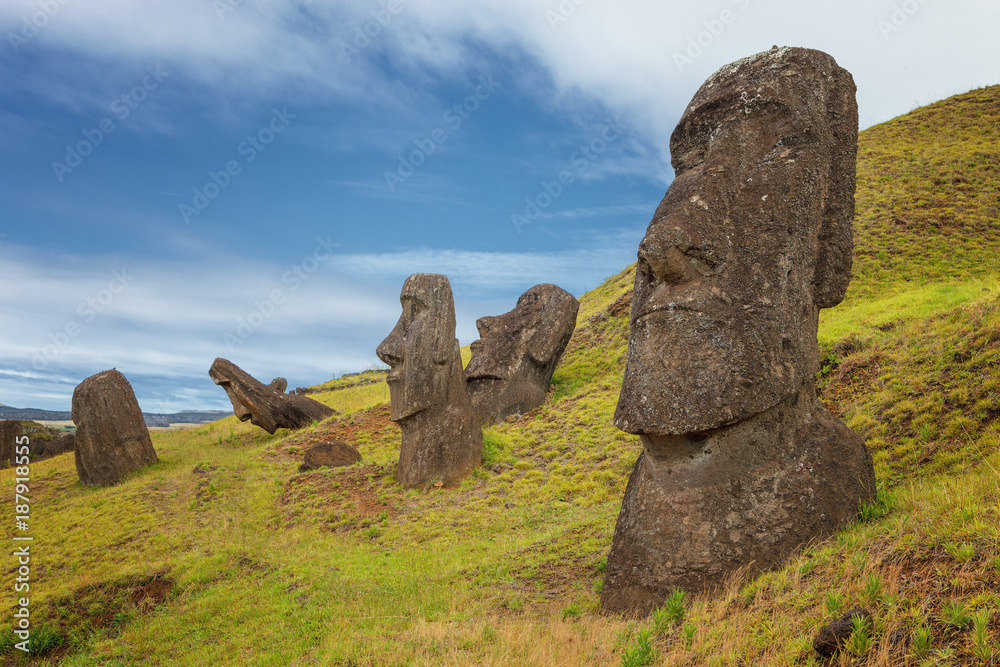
x=673, y=607
x=981, y=645
x=920, y=644
x=860, y=641
x=834, y=602
x=572, y=611
x=955, y=614
x=689, y=630
x=963, y=553
x=641, y=654
x=884, y=503
x=873, y=588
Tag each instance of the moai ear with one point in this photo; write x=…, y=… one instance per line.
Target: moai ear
x=835, y=254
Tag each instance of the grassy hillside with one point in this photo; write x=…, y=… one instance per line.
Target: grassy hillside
x=223, y=553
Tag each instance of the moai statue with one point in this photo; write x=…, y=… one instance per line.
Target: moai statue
x=266, y=405
x=111, y=435
x=513, y=361
x=741, y=464
x=442, y=440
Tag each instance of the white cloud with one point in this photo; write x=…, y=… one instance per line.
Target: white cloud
x=619, y=56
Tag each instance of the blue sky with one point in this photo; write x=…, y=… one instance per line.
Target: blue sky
x=187, y=179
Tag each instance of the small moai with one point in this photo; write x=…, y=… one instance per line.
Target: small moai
x=111, y=436
x=442, y=439
x=517, y=352
x=741, y=464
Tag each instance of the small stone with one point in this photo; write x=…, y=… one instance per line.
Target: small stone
x=329, y=454
x=832, y=637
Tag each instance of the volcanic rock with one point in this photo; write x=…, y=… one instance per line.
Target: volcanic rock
x=111, y=438
x=331, y=454
x=10, y=431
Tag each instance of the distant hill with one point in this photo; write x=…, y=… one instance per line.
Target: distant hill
x=152, y=419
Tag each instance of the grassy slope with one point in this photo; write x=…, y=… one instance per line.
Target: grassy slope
x=223, y=554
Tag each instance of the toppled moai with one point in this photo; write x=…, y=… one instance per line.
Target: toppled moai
x=741, y=464
x=517, y=352
x=442, y=440
x=111, y=437
x=266, y=406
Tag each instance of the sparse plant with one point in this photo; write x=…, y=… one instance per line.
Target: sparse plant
x=673, y=606
x=641, y=654
x=859, y=559
x=873, y=588
x=689, y=630
x=982, y=648
x=920, y=644
x=955, y=614
x=860, y=641
x=963, y=553
x=834, y=602
x=572, y=611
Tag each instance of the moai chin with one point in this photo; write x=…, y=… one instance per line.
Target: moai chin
x=517, y=352
x=740, y=464
x=442, y=440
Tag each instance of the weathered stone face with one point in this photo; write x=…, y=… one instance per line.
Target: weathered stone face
x=751, y=240
x=740, y=464
x=513, y=361
x=427, y=395
x=264, y=405
x=111, y=436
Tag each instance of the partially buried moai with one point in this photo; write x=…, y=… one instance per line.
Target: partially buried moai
x=112, y=440
x=442, y=441
x=741, y=464
x=513, y=361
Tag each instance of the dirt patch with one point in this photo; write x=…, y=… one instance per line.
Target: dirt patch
x=374, y=420
x=343, y=499
x=108, y=606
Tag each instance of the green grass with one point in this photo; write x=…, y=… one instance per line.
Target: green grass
x=258, y=564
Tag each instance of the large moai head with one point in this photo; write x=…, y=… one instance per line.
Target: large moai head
x=752, y=238
x=517, y=352
x=421, y=347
